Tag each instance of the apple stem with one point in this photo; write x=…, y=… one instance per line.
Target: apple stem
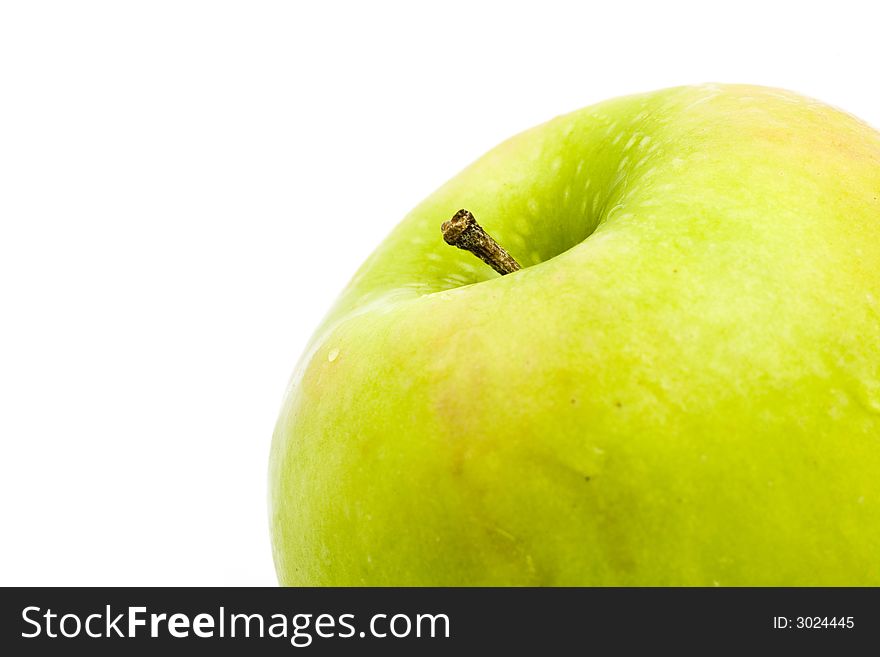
x=464, y=232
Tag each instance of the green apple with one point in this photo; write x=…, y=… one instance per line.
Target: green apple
x=681, y=386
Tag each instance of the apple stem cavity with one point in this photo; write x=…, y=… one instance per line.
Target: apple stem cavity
x=464, y=232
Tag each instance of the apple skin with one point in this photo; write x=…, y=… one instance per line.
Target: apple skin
x=680, y=387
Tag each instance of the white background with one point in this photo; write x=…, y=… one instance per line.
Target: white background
x=170, y=173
